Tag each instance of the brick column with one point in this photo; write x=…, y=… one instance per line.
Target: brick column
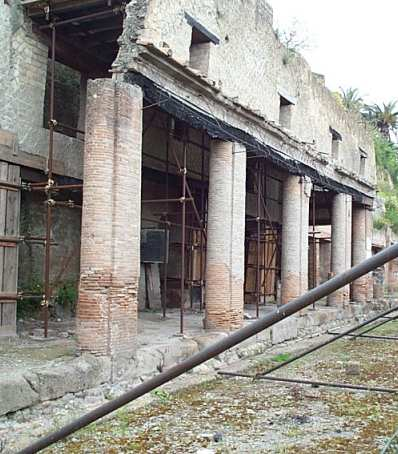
x=110, y=252
x=225, y=236
x=362, y=225
x=295, y=221
x=341, y=244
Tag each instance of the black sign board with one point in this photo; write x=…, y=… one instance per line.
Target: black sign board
x=154, y=246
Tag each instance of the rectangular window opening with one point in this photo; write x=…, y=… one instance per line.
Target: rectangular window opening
x=67, y=94
x=363, y=156
x=200, y=47
x=199, y=52
x=285, y=112
x=336, y=141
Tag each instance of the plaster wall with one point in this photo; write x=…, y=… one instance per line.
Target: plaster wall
x=252, y=67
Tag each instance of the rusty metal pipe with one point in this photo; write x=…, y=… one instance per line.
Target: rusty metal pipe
x=315, y=383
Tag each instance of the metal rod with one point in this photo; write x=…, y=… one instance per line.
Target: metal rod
x=267, y=214
x=85, y=17
x=71, y=128
x=330, y=341
x=166, y=264
x=188, y=189
x=43, y=186
x=202, y=211
x=314, y=280
x=222, y=345
x=169, y=223
x=390, y=338
x=315, y=383
x=258, y=240
x=167, y=200
x=183, y=222
x=371, y=328
x=47, y=252
x=331, y=385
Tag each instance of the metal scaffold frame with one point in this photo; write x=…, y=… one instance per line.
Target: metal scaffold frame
x=197, y=216
x=267, y=234
x=50, y=189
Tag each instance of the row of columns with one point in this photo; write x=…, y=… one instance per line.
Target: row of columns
x=110, y=254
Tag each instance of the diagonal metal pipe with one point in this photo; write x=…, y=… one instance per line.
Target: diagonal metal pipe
x=235, y=338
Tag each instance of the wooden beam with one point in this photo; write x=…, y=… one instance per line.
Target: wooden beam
x=76, y=57
x=35, y=7
x=29, y=160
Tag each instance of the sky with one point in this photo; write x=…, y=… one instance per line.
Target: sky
x=353, y=42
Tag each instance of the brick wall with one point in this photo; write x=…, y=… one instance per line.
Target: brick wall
x=110, y=254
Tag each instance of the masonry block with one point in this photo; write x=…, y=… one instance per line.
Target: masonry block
x=284, y=330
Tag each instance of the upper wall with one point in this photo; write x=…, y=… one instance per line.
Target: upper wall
x=23, y=76
x=251, y=66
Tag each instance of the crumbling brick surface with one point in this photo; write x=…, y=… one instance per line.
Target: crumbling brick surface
x=225, y=236
x=296, y=197
x=110, y=254
x=341, y=244
x=362, y=226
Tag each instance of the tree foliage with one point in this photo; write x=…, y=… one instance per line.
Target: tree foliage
x=351, y=99
x=384, y=117
x=387, y=167
x=294, y=38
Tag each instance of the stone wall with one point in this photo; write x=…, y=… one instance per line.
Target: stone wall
x=23, y=75
x=65, y=254
x=255, y=84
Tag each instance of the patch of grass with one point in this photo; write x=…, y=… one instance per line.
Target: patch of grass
x=281, y=358
x=162, y=395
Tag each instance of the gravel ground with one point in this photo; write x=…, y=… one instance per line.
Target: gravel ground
x=241, y=416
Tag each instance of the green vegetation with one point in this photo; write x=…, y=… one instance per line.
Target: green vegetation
x=281, y=358
x=387, y=172
x=65, y=295
x=384, y=119
x=30, y=307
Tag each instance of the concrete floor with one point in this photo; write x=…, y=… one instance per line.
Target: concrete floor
x=30, y=350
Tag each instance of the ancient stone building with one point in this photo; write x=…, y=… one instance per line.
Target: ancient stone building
x=199, y=141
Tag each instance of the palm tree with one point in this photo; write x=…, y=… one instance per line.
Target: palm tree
x=384, y=117
x=351, y=99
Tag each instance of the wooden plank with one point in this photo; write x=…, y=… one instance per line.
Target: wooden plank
x=3, y=214
x=10, y=268
x=32, y=161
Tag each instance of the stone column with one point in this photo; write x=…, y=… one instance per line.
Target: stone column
x=341, y=244
x=362, y=225
x=225, y=236
x=295, y=221
x=110, y=251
